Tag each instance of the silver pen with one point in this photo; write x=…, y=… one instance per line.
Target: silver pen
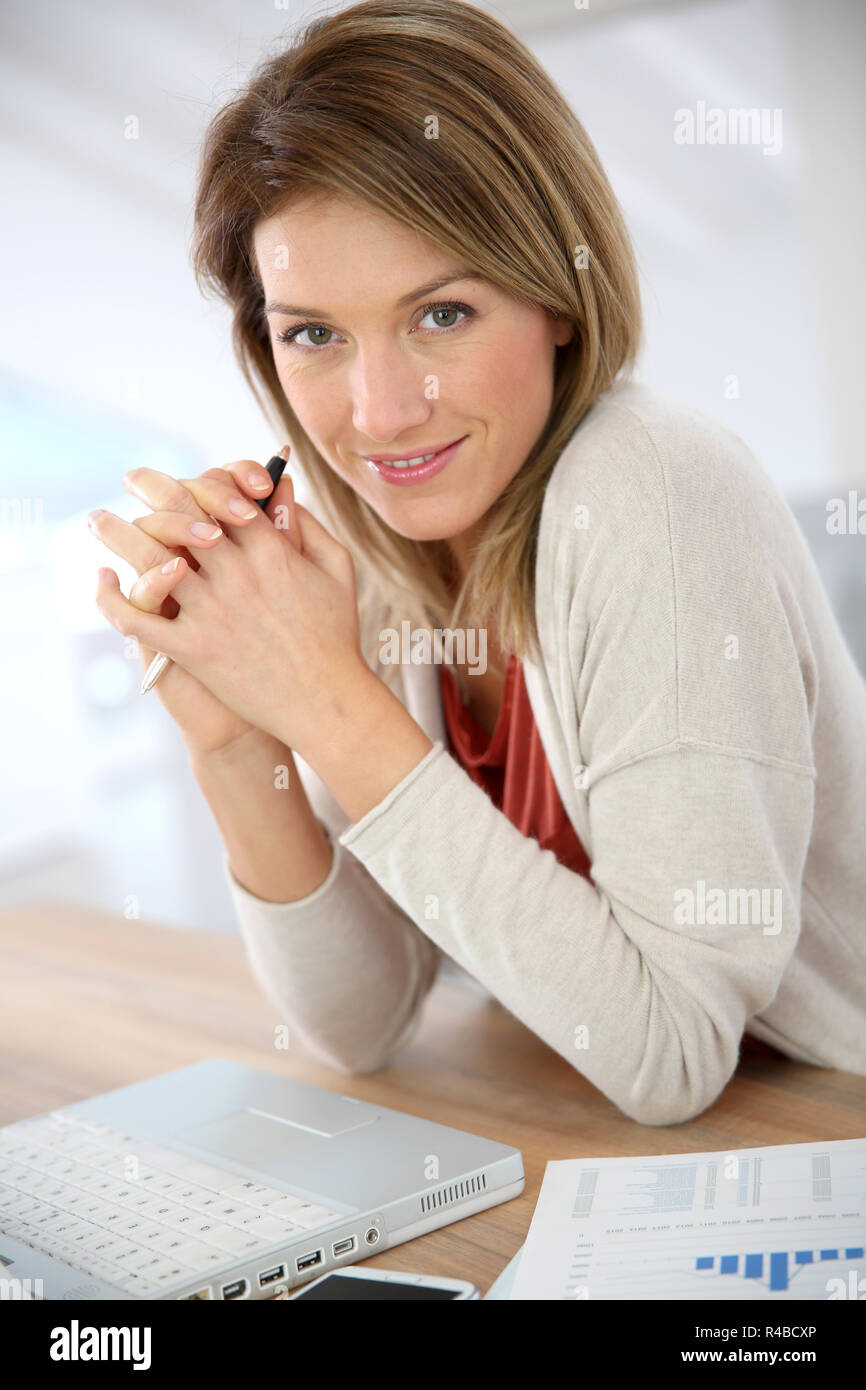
x=275, y=467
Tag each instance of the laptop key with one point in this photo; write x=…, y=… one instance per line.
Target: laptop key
x=229, y=1209
x=168, y=1273
x=192, y=1170
x=96, y=1181
x=112, y=1247
x=263, y=1196
x=312, y=1216
x=39, y=1240
x=287, y=1207
x=167, y=1243
x=203, y=1200
x=139, y=1261
x=11, y=1171
x=78, y=1231
x=268, y=1228
x=20, y=1205
x=167, y=1185
x=244, y=1189
x=235, y=1241
x=198, y=1256
x=15, y=1230
x=201, y=1227
x=135, y=1284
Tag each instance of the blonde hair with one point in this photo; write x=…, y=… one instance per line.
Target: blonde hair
x=512, y=186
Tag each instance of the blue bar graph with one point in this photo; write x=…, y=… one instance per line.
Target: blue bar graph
x=778, y=1273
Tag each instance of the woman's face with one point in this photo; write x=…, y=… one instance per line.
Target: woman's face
x=381, y=364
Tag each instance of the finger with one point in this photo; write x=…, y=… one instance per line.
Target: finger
x=161, y=492
x=282, y=510
x=245, y=475
x=250, y=477
x=151, y=592
x=152, y=588
x=182, y=550
x=320, y=546
x=157, y=634
x=213, y=495
x=144, y=549
x=175, y=531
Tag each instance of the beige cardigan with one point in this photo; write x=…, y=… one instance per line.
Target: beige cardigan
x=705, y=725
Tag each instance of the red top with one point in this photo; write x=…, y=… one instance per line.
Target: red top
x=511, y=766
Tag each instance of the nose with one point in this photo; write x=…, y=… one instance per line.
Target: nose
x=391, y=395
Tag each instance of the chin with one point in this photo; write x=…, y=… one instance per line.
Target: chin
x=421, y=528
x=418, y=533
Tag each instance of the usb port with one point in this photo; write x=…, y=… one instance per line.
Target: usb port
x=235, y=1290
x=315, y=1257
x=270, y=1276
x=343, y=1247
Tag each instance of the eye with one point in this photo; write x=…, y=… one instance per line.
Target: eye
x=291, y=335
x=450, y=306
x=316, y=343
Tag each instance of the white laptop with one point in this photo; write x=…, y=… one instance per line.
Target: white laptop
x=220, y=1181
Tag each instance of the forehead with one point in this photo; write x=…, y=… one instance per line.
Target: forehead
x=322, y=235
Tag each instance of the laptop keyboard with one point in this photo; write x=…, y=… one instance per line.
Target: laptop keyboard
x=132, y=1212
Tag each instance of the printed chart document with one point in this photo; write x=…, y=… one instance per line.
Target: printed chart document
x=777, y=1223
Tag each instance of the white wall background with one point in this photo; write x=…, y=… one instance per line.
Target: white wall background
x=751, y=267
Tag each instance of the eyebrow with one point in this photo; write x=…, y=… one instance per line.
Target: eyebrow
x=275, y=307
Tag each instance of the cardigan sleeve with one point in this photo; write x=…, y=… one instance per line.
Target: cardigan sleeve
x=344, y=968
x=649, y=1008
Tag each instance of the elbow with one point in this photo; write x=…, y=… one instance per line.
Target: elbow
x=685, y=1104
x=352, y=1063
x=674, y=1112
x=678, y=1077
x=352, y=1060
x=355, y=1061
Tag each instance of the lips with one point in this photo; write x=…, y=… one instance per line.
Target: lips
x=428, y=453
x=418, y=473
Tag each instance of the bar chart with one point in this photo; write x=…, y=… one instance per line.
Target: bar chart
x=775, y=1223
x=778, y=1268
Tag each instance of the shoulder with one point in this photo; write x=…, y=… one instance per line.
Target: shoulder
x=637, y=447
x=645, y=476
x=665, y=549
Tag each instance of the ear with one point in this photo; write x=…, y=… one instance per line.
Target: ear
x=563, y=330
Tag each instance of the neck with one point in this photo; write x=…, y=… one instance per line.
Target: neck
x=461, y=547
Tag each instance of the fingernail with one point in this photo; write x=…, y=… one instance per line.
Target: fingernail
x=242, y=509
x=94, y=516
x=205, y=531
x=172, y=564
x=255, y=480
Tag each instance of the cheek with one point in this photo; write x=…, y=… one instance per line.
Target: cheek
x=531, y=361
x=512, y=379
x=308, y=398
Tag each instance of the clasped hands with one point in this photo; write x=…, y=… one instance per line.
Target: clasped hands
x=258, y=613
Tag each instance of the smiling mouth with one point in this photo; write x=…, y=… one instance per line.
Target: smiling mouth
x=410, y=460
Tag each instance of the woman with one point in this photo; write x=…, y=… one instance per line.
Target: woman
x=639, y=822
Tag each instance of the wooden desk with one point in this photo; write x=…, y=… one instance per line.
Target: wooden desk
x=91, y=1002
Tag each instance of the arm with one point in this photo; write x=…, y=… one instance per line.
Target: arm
x=342, y=965
x=277, y=849
x=650, y=1010
x=345, y=970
